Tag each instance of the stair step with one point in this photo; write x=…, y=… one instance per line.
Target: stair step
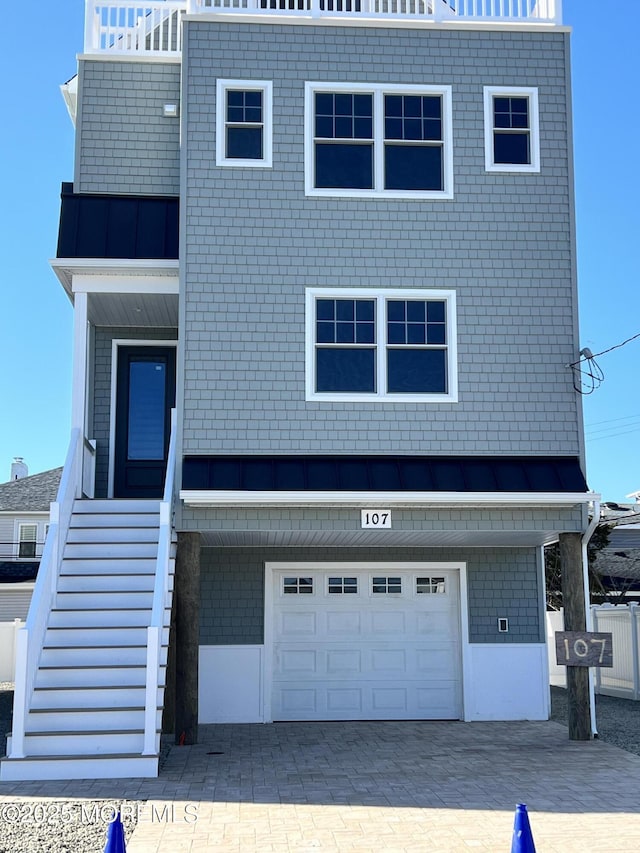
x=111, y=535
x=115, y=598
x=60, y=656
x=116, y=618
x=106, y=566
x=106, y=583
x=73, y=720
x=116, y=505
x=57, y=743
x=78, y=676
x=110, y=550
x=115, y=696
x=100, y=520
x=98, y=637
x=48, y=768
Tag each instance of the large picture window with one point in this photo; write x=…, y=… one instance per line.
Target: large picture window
x=381, y=345
x=511, y=130
x=368, y=140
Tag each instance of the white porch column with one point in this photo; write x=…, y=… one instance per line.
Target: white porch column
x=79, y=372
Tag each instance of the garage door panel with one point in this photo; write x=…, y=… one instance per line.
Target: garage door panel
x=345, y=700
x=389, y=661
x=343, y=661
x=366, y=655
x=298, y=662
x=385, y=622
x=341, y=622
x=300, y=623
x=436, y=624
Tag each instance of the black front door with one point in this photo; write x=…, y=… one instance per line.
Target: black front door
x=145, y=395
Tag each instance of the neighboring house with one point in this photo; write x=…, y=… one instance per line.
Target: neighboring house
x=24, y=520
x=341, y=243
x=619, y=562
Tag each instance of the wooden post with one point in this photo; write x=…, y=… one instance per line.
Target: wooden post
x=187, y=598
x=575, y=619
x=169, y=709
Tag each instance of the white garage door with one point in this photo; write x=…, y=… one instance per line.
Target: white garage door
x=374, y=644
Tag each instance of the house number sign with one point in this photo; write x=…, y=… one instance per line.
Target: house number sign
x=377, y=518
x=583, y=648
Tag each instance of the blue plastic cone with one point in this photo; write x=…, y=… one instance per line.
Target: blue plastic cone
x=522, y=838
x=115, y=837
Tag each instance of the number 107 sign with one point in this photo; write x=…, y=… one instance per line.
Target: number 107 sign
x=583, y=648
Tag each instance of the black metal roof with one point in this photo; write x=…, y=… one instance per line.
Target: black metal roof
x=17, y=572
x=384, y=473
x=117, y=226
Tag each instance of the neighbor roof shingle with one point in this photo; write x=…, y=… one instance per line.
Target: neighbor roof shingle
x=30, y=494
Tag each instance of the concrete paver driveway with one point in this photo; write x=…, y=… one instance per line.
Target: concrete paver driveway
x=395, y=786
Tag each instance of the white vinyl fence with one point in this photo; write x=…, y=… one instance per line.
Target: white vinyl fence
x=623, y=622
x=8, y=632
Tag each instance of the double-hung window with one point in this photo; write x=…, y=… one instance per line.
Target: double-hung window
x=27, y=541
x=511, y=127
x=381, y=345
x=374, y=140
x=244, y=123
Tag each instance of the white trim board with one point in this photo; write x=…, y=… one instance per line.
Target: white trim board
x=380, y=23
x=210, y=498
x=115, y=343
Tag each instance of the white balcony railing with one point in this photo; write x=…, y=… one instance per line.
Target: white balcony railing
x=125, y=27
x=154, y=28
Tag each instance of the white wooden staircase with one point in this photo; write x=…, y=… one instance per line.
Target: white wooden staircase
x=85, y=716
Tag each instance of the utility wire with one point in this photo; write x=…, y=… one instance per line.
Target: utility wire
x=604, y=351
x=611, y=420
x=613, y=434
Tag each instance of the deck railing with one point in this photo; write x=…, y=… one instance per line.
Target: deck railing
x=160, y=599
x=30, y=638
x=155, y=28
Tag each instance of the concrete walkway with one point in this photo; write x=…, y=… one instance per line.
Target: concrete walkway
x=377, y=787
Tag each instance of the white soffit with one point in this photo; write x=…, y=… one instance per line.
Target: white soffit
x=113, y=275
x=70, y=94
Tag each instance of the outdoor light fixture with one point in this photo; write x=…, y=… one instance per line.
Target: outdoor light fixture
x=170, y=110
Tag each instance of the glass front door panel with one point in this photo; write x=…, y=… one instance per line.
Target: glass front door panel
x=147, y=407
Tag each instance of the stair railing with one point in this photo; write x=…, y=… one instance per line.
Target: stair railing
x=160, y=599
x=31, y=638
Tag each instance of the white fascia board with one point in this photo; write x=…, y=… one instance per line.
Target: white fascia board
x=69, y=269
x=205, y=498
x=381, y=22
x=118, y=284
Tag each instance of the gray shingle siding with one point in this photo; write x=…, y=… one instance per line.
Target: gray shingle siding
x=501, y=582
x=253, y=242
x=331, y=520
x=125, y=144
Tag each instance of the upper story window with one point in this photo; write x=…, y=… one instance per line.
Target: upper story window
x=27, y=541
x=512, y=134
x=244, y=123
x=381, y=345
x=373, y=140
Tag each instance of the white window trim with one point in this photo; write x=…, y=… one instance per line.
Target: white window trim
x=19, y=526
x=264, y=86
x=381, y=295
x=491, y=92
x=378, y=90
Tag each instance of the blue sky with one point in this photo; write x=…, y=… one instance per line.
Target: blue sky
x=37, y=149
